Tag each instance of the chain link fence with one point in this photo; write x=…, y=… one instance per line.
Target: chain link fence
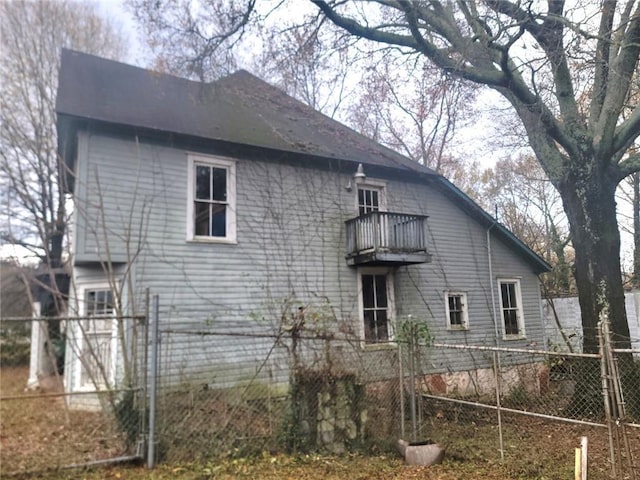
x=232, y=393
x=67, y=397
x=238, y=393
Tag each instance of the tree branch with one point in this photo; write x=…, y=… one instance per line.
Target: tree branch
x=629, y=166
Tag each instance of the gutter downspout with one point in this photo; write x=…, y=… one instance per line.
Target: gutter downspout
x=496, y=354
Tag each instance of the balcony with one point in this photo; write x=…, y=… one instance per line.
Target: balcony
x=384, y=238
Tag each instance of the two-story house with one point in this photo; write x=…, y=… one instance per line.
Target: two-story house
x=233, y=201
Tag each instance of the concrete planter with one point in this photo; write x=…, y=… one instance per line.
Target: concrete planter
x=420, y=453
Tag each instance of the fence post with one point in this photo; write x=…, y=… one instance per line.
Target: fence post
x=606, y=395
x=498, y=373
x=155, y=340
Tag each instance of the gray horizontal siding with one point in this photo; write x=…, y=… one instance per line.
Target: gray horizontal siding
x=461, y=263
x=290, y=253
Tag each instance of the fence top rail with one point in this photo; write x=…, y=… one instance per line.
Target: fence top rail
x=30, y=396
x=330, y=336
x=72, y=318
x=515, y=350
x=625, y=350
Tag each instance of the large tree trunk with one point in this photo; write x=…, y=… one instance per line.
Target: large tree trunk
x=591, y=208
x=635, y=279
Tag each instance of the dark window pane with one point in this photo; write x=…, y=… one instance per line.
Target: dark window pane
x=202, y=219
x=381, y=291
x=360, y=197
x=368, y=291
x=508, y=295
x=109, y=304
x=504, y=292
x=203, y=183
x=91, y=301
x=455, y=318
x=374, y=200
x=369, y=326
x=219, y=184
x=101, y=302
x=219, y=220
x=454, y=303
x=511, y=322
x=382, y=326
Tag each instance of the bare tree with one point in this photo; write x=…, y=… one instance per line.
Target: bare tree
x=526, y=202
x=412, y=107
x=32, y=34
x=543, y=59
x=185, y=35
x=310, y=63
x=402, y=102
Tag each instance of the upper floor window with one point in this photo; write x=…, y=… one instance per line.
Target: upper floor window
x=371, y=197
x=211, y=192
x=456, y=310
x=511, y=308
x=368, y=200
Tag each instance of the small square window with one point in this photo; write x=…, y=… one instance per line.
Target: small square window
x=456, y=311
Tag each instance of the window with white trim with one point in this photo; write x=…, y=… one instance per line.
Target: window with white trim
x=368, y=200
x=376, y=302
x=370, y=197
x=511, y=308
x=211, y=209
x=456, y=310
x=97, y=336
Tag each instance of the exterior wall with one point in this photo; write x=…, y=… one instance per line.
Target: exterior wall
x=530, y=378
x=461, y=263
x=289, y=253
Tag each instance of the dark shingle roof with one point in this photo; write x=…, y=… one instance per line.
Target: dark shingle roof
x=239, y=108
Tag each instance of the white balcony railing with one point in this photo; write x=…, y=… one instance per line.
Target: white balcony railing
x=386, y=232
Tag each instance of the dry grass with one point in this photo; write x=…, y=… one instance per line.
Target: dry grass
x=37, y=431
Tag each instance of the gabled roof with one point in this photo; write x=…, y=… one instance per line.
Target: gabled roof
x=238, y=109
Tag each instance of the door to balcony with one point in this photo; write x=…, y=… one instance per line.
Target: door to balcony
x=385, y=238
